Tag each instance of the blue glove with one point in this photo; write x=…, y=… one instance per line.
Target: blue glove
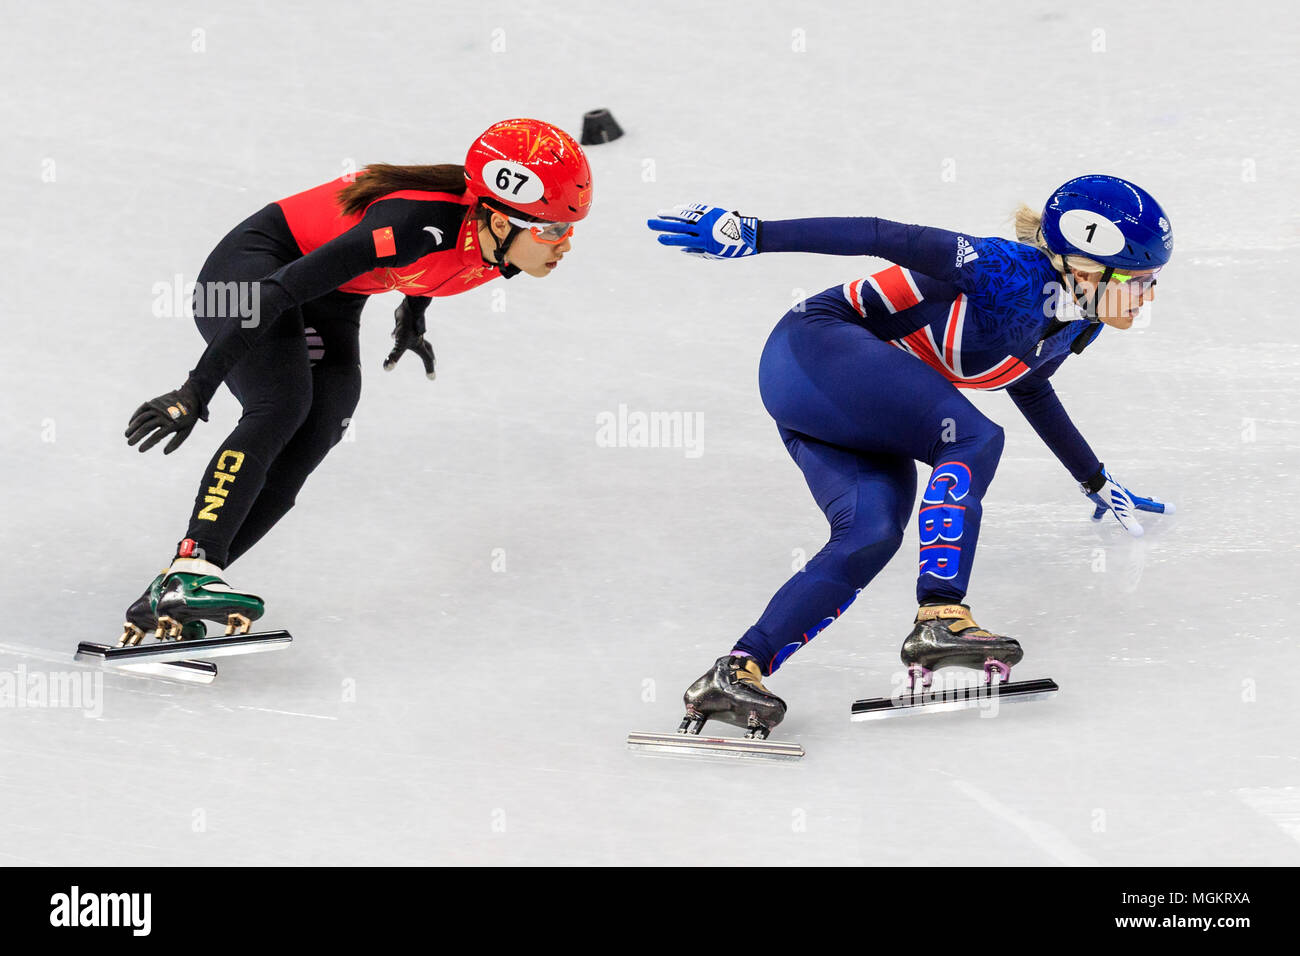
x=707, y=231
x=1111, y=496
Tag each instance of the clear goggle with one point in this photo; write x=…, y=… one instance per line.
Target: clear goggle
x=1140, y=283
x=553, y=233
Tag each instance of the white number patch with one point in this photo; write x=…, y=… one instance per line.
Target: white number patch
x=515, y=184
x=1091, y=232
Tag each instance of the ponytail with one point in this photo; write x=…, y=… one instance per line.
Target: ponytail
x=379, y=179
x=1029, y=230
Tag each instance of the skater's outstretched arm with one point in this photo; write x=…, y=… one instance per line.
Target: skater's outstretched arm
x=972, y=264
x=935, y=252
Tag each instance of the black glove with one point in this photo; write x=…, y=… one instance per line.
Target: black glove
x=408, y=333
x=172, y=414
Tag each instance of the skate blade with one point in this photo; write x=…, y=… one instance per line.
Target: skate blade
x=225, y=645
x=944, y=700
x=187, y=672
x=699, y=745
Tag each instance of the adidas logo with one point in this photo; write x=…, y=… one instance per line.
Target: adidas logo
x=965, y=252
x=730, y=228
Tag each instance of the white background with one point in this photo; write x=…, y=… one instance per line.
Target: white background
x=491, y=706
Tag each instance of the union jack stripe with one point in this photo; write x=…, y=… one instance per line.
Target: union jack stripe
x=945, y=357
x=895, y=286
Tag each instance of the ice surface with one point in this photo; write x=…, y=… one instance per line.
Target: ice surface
x=485, y=600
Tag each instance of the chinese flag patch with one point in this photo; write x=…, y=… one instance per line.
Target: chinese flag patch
x=384, y=244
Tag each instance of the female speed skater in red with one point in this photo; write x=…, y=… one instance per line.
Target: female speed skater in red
x=279, y=304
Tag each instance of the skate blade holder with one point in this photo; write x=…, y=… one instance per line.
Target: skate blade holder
x=698, y=745
x=181, y=660
x=946, y=699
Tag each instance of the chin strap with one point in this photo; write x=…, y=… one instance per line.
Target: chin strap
x=1086, y=303
x=500, y=246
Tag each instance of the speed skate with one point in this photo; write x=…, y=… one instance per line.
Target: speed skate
x=180, y=660
x=730, y=691
x=692, y=743
x=689, y=741
x=174, y=608
x=945, y=635
x=912, y=699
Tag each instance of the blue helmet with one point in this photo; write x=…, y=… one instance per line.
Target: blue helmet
x=1109, y=220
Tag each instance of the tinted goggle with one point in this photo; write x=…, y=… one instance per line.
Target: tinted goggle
x=550, y=232
x=1140, y=283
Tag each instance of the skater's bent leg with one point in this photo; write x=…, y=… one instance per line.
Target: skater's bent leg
x=274, y=385
x=336, y=392
x=332, y=324
x=948, y=522
x=835, y=381
x=867, y=500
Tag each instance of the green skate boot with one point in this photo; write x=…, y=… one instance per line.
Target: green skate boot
x=142, y=617
x=194, y=591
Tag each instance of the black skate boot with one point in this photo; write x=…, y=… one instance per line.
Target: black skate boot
x=946, y=636
x=194, y=591
x=142, y=617
x=732, y=692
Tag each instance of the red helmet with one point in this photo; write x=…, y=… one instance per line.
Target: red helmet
x=530, y=167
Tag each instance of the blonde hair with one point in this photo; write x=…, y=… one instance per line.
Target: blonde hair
x=1029, y=230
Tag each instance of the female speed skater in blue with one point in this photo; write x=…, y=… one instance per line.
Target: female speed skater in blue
x=863, y=380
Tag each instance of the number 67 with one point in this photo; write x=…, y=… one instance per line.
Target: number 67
x=503, y=180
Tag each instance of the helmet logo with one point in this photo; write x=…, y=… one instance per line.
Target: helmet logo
x=1091, y=233
x=1164, y=224
x=534, y=140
